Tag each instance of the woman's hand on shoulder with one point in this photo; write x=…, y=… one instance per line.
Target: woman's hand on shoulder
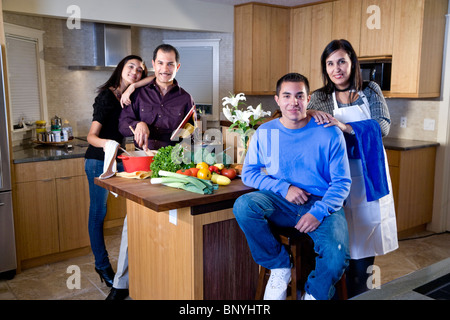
x=319, y=116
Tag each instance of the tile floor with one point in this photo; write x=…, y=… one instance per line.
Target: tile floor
x=48, y=282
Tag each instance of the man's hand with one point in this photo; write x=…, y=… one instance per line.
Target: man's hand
x=297, y=195
x=141, y=134
x=307, y=223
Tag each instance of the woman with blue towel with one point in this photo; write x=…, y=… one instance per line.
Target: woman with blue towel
x=360, y=111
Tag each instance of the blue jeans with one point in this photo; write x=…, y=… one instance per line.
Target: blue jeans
x=254, y=210
x=97, y=212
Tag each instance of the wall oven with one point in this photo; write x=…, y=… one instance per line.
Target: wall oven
x=378, y=71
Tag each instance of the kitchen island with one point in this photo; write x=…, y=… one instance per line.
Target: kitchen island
x=183, y=245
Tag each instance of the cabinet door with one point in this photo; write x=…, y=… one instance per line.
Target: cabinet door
x=321, y=25
x=261, y=48
x=279, y=46
x=300, y=48
x=73, y=210
x=377, y=41
x=347, y=22
x=36, y=218
x=418, y=47
x=243, y=39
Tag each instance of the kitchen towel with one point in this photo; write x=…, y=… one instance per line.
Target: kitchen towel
x=369, y=145
x=110, y=164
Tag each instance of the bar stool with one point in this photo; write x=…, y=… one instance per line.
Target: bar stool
x=301, y=249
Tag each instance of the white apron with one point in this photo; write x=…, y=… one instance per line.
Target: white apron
x=372, y=225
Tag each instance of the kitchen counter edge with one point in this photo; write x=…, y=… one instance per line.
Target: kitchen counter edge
x=405, y=144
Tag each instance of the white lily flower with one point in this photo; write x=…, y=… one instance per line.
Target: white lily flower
x=227, y=113
x=258, y=112
x=243, y=116
x=234, y=100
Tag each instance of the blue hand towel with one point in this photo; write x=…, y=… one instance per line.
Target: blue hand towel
x=367, y=145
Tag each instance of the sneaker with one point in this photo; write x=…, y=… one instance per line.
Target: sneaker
x=277, y=285
x=308, y=296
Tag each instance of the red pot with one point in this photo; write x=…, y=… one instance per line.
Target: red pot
x=132, y=164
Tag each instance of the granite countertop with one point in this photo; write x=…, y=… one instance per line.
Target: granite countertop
x=76, y=148
x=32, y=152
x=404, y=144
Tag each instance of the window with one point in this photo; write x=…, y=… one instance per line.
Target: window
x=26, y=77
x=199, y=73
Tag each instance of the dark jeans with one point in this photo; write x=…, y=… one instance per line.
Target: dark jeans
x=254, y=210
x=97, y=212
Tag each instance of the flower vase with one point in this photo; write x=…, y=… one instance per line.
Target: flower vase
x=242, y=148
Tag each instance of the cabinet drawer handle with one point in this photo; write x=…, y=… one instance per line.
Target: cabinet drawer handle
x=64, y=178
x=2, y=204
x=46, y=180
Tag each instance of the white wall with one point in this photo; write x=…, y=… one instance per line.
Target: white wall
x=167, y=14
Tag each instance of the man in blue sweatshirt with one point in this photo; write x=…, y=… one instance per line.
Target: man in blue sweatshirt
x=302, y=175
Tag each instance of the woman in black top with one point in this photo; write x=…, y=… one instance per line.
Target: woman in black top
x=104, y=127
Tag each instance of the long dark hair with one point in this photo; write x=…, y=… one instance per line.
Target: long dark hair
x=356, y=81
x=114, y=80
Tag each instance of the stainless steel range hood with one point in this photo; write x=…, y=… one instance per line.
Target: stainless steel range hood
x=111, y=44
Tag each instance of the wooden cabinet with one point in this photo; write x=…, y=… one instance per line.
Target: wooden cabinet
x=410, y=31
x=418, y=48
x=306, y=48
x=322, y=15
x=347, y=17
x=261, y=47
x=51, y=207
x=300, y=44
x=412, y=176
x=377, y=41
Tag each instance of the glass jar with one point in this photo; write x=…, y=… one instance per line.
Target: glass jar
x=56, y=123
x=41, y=126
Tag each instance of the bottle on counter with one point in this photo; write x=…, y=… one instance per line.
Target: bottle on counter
x=56, y=123
x=67, y=130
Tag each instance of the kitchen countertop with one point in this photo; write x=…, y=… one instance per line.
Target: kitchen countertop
x=404, y=144
x=32, y=152
x=162, y=198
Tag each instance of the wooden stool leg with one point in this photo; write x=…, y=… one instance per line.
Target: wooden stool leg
x=341, y=288
x=262, y=281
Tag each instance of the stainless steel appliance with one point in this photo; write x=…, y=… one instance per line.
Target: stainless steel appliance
x=378, y=71
x=7, y=239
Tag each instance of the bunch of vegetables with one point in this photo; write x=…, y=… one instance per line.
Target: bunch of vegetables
x=217, y=173
x=168, y=158
x=174, y=166
x=181, y=181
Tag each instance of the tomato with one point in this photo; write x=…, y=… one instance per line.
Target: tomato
x=214, y=169
x=194, y=171
x=202, y=165
x=230, y=173
x=186, y=172
x=204, y=174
